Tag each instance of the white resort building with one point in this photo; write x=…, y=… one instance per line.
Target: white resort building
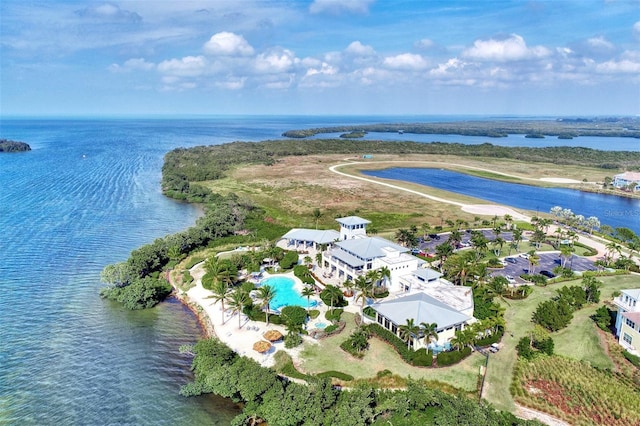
x=623, y=180
x=628, y=320
x=416, y=291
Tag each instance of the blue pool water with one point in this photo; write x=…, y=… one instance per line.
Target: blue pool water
x=286, y=295
x=321, y=325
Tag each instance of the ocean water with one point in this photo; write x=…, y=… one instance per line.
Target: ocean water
x=86, y=196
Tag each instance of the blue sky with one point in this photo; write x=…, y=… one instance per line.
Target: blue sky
x=148, y=57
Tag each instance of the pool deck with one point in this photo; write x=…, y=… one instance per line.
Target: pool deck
x=241, y=337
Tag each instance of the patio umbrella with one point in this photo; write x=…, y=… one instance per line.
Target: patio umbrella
x=261, y=346
x=272, y=335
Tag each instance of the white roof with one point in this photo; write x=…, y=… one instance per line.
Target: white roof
x=352, y=220
x=630, y=176
x=632, y=292
x=427, y=274
x=422, y=308
x=370, y=247
x=317, y=236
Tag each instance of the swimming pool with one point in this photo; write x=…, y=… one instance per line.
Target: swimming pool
x=286, y=295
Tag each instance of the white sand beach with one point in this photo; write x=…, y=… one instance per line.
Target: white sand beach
x=241, y=338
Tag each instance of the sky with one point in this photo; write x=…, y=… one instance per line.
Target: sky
x=320, y=57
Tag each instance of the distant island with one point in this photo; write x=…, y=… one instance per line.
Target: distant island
x=7, y=145
x=562, y=127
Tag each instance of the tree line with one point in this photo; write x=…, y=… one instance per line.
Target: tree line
x=183, y=167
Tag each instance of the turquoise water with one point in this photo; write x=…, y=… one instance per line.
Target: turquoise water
x=286, y=294
x=321, y=325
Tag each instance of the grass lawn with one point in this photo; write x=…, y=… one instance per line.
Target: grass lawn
x=326, y=355
x=578, y=341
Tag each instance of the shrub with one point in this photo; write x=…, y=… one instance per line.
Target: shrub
x=141, y=294
x=524, y=349
x=293, y=316
x=423, y=358
x=336, y=374
x=288, y=260
x=291, y=340
x=313, y=313
x=452, y=357
x=635, y=360
x=331, y=328
x=369, y=311
x=393, y=340
x=334, y=314
x=333, y=294
x=493, y=338
x=602, y=318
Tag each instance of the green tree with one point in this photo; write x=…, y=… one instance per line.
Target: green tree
x=443, y=251
x=429, y=332
x=220, y=290
x=237, y=301
x=317, y=214
x=307, y=292
x=409, y=331
x=266, y=294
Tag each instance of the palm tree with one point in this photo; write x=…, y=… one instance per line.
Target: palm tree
x=455, y=238
x=365, y=290
x=612, y=248
x=443, y=251
x=307, y=292
x=479, y=241
x=237, y=300
x=266, y=293
x=566, y=251
x=429, y=332
x=508, y=220
x=497, y=245
x=316, y=216
x=334, y=294
x=534, y=260
x=409, y=331
x=517, y=237
x=220, y=291
x=384, y=274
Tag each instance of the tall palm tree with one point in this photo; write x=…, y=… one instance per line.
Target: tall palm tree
x=365, y=290
x=266, y=293
x=508, y=220
x=517, y=237
x=316, y=216
x=307, y=292
x=612, y=248
x=409, y=331
x=220, y=291
x=566, y=251
x=429, y=332
x=498, y=243
x=237, y=301
x=455, y=238
x=534, y=260
x=443, y=251
x=384, y=275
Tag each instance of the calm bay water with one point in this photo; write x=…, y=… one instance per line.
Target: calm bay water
x=85, y=197
x=611, y=210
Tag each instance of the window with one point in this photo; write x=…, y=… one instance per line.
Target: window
x=459, y=327
x=626, y=338
x=630, y=323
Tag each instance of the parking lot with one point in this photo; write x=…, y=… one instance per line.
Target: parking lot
x=548, y=261
x=519, y=264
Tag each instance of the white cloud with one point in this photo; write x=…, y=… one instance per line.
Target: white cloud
x=336, y=7
x=406, y=61
x=324, y=69
x=424, y=44
x=228, y=44
x=616, y=67
x=231, y=83
x=453, y=65
x=512, y=48
x=189, y=66
x=275, y=61
x=134, y=64
x=600, y=43
x=109, y=12
x=359, y=49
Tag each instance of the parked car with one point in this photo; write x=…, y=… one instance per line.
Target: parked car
x=547, y=274
x=512, y=260
x=434, y=236
x=510, y=279
x=524, y=255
